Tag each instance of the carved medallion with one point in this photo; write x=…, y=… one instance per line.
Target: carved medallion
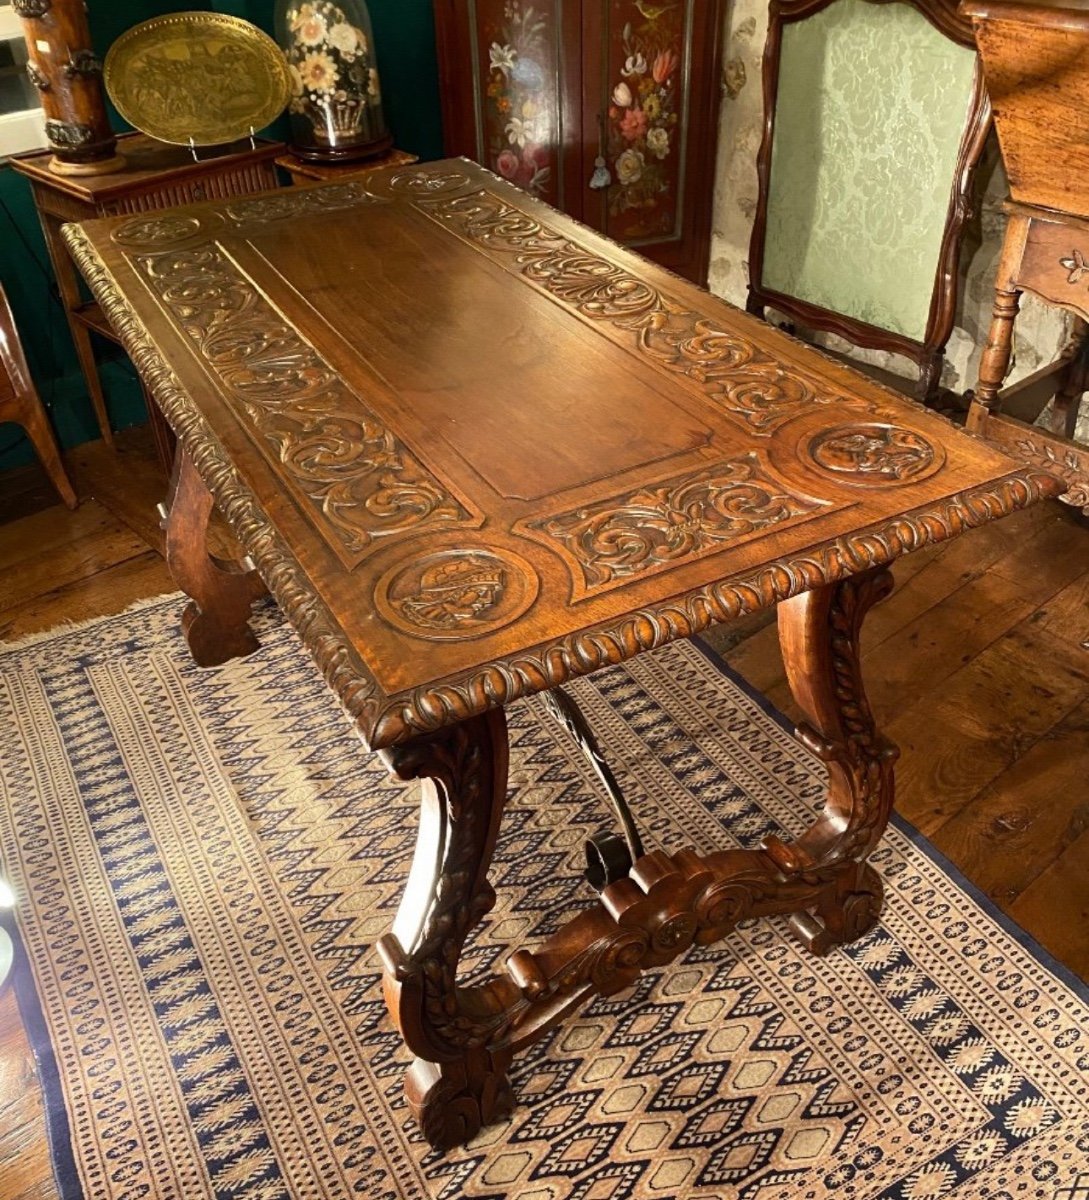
x=456, y=593
x=427, y=183
x=874, y=455
x=155, y=231
x=684, y=517
x=731, y=371
x=31, y=8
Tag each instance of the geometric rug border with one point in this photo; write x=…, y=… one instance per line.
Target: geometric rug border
x=57, y=1128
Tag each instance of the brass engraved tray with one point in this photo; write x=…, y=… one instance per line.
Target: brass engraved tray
x=197, y=78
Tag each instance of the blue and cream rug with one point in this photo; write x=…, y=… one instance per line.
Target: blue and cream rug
x=204, y=860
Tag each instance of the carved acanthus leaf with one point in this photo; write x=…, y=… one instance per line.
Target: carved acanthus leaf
x=683, y=517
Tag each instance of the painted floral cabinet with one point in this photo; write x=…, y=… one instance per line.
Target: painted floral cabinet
x=607, y=109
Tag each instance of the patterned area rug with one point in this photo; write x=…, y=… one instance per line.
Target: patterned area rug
x=204, y=860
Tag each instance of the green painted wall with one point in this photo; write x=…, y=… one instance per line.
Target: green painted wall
x=404, y=36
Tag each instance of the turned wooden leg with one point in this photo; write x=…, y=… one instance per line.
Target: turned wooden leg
x=996, y=358
x=216, y=621
x=819, y=633
x=457, y=1083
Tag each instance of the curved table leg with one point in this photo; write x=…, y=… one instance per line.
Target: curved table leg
x=216, y=621
x=819, y=634
x=457, y=1083
x=464, y=1038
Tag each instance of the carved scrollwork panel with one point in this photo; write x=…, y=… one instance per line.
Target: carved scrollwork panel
x=655, y=527
x=360, y=482
x=292, y=203
x=523, y=674
x=744, y=381
x=155, y=231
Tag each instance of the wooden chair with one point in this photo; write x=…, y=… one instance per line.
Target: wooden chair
x=20, y=402
x=875, y=117
x=1034, y=59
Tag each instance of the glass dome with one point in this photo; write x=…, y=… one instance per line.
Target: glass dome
x=336, y=103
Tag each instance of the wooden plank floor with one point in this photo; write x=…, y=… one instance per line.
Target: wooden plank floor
x=978, y=666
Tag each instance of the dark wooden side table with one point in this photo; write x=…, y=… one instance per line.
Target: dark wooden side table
x=550, y=456
x=302, y=171
x=156, y=176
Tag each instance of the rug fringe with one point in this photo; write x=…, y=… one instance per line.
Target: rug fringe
x=67, y=627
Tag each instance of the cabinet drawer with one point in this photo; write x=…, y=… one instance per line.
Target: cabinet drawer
x=1055, y=264
x=242, y=180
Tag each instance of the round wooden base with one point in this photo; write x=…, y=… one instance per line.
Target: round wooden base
x=101, y=166
x=342, y=154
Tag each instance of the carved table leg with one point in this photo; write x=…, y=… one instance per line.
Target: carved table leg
x=215, y=622
x=464, y=1038
x=819, y=634
x=457, y=1083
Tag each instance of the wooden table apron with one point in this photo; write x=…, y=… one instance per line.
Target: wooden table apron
x=474, y=451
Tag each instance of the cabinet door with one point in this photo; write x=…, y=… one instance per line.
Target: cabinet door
x=536, y=90
x=511, y=88
x=650, y=106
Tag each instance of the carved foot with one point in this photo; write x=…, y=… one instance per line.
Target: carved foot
x=215, y=622
x=452, y=1102
x=215, y=637
x=843, y=915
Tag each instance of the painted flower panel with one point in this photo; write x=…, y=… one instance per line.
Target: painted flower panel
x=645, y=127
x=519, y=117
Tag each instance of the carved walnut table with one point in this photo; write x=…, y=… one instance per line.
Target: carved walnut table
x=475, y=450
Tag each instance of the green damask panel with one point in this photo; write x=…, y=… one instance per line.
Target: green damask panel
x=871, y=108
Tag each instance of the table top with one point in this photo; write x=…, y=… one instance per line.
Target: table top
x=475, y=449
x=147, y=161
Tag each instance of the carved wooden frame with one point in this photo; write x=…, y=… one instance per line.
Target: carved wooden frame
x=928, y=353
